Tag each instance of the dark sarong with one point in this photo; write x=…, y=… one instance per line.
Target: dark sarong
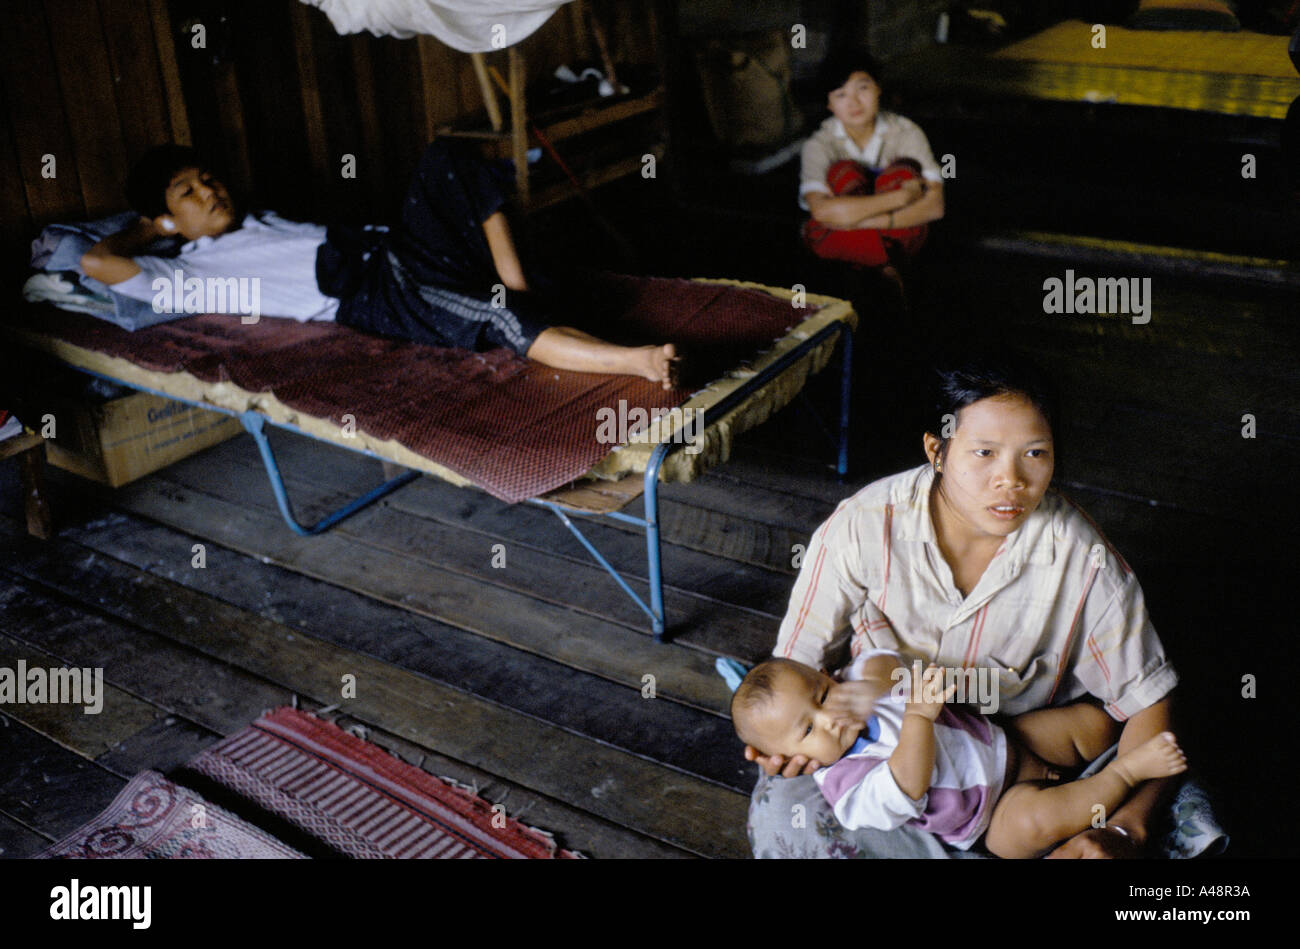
x=431, y=279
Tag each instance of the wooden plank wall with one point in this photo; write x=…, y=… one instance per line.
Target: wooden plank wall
x=268, y=90
x=78, y=110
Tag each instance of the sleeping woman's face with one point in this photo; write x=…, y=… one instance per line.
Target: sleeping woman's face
x=200, y=205
x=997, y=466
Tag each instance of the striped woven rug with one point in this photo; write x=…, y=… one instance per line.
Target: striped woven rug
x=358, y=799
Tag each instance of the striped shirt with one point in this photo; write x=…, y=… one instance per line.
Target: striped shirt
x=970, y=764
x=1057, y=614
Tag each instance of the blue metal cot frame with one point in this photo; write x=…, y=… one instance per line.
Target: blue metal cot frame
x=255, y=424
x=650, y=521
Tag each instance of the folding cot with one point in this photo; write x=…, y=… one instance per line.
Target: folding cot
x=515, y=428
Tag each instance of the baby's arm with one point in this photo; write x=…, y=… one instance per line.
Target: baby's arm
x=912, y=762
x=862, y=793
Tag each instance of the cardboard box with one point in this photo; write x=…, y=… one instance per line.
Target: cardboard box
x=119, y=440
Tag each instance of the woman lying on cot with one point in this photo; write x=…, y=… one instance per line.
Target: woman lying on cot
x=447, y=275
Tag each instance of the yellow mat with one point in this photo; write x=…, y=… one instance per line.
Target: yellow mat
x=1239, y=73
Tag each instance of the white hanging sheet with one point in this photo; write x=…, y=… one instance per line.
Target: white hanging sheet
x=471, y=26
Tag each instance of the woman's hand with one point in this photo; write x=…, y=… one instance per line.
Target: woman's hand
x=150, y=231
x=851, y=703
x=914, y=188
x=772, y=764
x=1097, y=843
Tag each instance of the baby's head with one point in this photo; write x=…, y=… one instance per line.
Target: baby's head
x=778, y=710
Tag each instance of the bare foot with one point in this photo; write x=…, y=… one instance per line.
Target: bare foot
x=659, y=364
x=1157, y=757
x=890, y=273
x=1035, y=769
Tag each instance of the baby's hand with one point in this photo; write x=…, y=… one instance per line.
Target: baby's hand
x=928, y=694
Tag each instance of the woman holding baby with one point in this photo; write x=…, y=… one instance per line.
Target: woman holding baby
x=971, y=561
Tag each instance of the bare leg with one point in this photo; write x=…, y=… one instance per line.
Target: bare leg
x=1070, y=736
x=1032, y=817
x=566, y=348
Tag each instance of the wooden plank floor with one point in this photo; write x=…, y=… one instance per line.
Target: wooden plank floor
x=525, y=680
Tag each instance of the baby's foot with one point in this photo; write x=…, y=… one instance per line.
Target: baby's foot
x=1157, y=757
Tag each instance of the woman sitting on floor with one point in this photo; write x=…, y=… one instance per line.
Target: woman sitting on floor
x=970, y=561
x=867, y=176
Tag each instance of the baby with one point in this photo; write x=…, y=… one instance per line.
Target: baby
x=947, y=771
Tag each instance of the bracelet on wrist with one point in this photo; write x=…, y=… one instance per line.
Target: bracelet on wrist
x=1137, y=842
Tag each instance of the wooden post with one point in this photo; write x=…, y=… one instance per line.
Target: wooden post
x=35, y=500
x=578, y=29
x=519, y=123
x=313, y=113
x=371, y=135
x=602, y=47
x=428, y=49
x=30, y=449
x=177, y=117
x=485, y=87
